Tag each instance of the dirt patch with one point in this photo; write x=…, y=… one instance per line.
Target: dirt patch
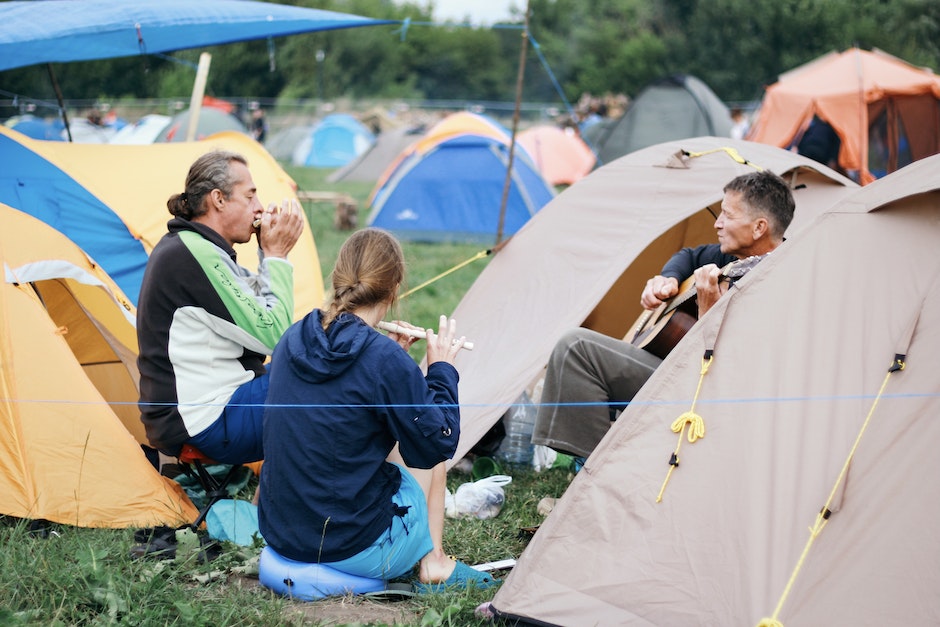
x=348, y=610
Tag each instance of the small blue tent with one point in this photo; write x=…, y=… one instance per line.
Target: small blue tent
x=449, y=185
x=38, y=128
x=332, y=143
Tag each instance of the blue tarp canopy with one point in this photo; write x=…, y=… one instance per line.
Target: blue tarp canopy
x=44, y=31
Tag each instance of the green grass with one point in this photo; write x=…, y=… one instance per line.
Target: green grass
x=75, y=576
x=424, y=261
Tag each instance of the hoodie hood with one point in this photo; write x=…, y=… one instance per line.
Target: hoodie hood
x=316, y=355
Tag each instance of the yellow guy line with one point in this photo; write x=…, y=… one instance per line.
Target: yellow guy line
x=695, y=422
x=822, y=518
x=479, y=255
x=734, y=154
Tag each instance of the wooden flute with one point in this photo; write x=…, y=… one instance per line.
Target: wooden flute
x=391, y=327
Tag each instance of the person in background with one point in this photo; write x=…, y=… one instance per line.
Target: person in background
x=205, y=324
x=258, y=127
x=589, y=373
x=740, y=124
x=356, y=436
x=821, y=143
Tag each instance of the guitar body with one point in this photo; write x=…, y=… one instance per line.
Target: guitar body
x=658, y=331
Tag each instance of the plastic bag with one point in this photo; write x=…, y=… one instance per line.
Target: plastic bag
x=233, y=520
x=482, y=499
x=544, y=458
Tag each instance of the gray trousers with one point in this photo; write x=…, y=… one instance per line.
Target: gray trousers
x=588, y=375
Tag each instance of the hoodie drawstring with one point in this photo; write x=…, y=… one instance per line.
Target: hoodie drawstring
x=399, y=511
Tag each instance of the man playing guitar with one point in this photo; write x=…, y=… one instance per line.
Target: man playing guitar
x=590, y=374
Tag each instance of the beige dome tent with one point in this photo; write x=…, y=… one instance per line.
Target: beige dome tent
x=68, y=413
x=584, y=258
x=809, y=499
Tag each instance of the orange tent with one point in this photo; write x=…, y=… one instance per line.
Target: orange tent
x=884, y=110
x=562, y=158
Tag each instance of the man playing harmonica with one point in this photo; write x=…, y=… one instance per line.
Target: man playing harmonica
x=205, y=324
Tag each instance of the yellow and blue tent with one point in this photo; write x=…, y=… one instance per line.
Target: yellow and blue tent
x=111, y=199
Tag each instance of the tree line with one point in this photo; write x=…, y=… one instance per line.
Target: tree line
x=598, y=46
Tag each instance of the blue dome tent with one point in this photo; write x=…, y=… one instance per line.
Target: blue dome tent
x=332, y=143
x=448, y=186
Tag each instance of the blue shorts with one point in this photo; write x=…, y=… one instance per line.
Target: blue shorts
x=396, y=551
x=235, y=438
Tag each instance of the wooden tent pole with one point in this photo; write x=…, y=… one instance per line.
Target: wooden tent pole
x=199, y=90
x=515, y=125
x=58, y=95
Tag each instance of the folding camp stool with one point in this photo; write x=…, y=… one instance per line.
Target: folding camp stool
x=194, y=462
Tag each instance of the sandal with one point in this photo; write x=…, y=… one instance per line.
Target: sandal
x=463, y=577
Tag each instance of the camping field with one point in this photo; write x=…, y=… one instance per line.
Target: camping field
x=61, y=575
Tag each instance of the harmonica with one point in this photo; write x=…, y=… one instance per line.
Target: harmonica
x=391, y=327
x=287, y=206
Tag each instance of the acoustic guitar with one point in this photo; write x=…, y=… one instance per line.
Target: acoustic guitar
x=659, y=330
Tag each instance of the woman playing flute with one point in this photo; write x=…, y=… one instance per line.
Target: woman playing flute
x=356, y=436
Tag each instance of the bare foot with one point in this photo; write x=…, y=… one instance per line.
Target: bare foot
x=435, y=568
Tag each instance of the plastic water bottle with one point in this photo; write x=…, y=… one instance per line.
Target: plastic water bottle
x=519, y=421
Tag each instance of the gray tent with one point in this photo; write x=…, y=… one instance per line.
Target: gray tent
x=370, y=165
x=669, y=108
x=211, y=121
x=811, y=498
x=282, y=143
x=584, y=258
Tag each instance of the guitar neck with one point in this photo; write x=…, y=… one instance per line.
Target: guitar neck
x=687, y=289
x=686, y=293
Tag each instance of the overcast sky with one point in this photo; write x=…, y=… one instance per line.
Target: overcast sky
x=481, y=12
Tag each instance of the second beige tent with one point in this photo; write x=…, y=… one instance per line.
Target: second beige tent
x=810, y=500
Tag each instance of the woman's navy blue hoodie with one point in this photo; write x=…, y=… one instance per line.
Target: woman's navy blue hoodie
x=337, y=404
